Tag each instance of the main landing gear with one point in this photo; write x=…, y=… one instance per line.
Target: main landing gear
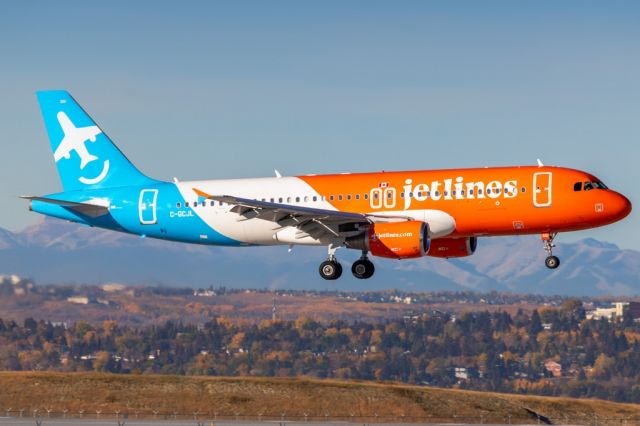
x=363, y=268
x=331, y=269
x=552, y=262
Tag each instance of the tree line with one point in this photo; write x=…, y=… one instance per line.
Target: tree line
x=481, y=350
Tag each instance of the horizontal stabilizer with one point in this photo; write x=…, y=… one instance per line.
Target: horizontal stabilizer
x=86, y=209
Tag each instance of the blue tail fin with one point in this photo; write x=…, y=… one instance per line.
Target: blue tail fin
x=86, y=158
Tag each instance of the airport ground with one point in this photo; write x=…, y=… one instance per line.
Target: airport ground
x=89, y=397
x=4, y=421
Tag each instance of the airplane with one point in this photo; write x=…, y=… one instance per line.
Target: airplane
x=397, y=215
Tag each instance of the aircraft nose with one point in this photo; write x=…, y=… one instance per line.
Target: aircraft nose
x=621, y=206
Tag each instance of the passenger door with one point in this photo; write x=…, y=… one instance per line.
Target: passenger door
x=542, y=189
x=147, y=206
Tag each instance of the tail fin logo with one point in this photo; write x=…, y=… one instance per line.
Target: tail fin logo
x=75, y=139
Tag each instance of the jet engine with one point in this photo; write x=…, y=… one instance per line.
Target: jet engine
x=395, y=240
x=453, y=247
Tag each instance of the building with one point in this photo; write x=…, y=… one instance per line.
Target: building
x=554, y=368
x=465, y=373
x=80, y=300
x=616, y=311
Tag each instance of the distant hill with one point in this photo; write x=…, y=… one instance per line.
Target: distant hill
x=271, y=399
x=60, y=252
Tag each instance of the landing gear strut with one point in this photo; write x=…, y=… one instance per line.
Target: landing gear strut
x=363, y=268
x=552, y=262
x=331, y=269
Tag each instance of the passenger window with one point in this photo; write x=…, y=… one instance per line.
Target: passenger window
x=331, y=197
x=523, y=189
x=577, y=186
x=178, y=205
x=357, y=196
x=366, y=196
x=340, y=197
x=280, y=200
x=297, y=199
x=272, y=200
x=348, y=196
x=402, y=195
x=306, y=198
x=186, y=204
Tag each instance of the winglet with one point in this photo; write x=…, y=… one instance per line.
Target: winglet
x=201, y=193
x=540, y=163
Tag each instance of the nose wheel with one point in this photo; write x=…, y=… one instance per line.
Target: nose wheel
x=363, y=268
x=551, y=262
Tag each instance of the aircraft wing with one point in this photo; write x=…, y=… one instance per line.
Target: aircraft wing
x=86, y=209
x=317, y=223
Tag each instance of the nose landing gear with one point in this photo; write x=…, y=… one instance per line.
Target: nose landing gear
x=552, y=262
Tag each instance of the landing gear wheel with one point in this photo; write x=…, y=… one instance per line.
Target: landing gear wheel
x=330, y=270
x=362, y=269
x=552, y=262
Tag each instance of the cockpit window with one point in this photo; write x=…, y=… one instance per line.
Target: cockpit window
x=588, y=186
x=577, y=186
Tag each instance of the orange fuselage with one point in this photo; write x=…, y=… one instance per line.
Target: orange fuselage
x=483, y=201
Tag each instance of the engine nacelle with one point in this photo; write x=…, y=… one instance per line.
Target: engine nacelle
x=395, y=240
x=453, y=247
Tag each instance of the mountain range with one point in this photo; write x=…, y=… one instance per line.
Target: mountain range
x=54, y=252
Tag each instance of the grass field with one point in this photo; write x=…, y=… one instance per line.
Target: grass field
x=271, y=398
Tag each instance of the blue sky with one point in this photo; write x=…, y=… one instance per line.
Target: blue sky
x=236, y=89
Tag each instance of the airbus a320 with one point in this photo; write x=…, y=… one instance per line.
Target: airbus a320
x=398, y=215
